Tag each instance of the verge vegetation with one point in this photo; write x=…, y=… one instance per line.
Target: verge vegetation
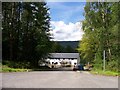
x=100, y=45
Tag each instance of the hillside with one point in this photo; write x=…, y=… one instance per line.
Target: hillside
x=73, y=44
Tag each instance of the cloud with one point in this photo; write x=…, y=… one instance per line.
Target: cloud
x=66, y=32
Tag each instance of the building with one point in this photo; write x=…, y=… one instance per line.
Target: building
x=63, y=59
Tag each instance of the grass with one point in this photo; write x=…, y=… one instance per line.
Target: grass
x=106, y=73
x=8, y=69
x=0, y=67
x=5, y=68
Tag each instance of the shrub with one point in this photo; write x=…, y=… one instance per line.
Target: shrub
x=13, y=64
x=112, y=65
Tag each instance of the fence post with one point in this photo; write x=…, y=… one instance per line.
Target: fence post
x=104, y=60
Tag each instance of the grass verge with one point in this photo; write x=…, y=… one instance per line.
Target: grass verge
x=8, y=69
x=106, y=73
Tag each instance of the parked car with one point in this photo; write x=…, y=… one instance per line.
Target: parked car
x=88, y=67
x=81, y=67
x=78, y=67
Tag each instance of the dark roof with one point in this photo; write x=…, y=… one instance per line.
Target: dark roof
x=64, y=55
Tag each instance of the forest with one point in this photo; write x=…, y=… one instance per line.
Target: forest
x=101, y=38
x=26, y=38
x=25, y=33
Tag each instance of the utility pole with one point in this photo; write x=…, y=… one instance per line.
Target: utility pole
x=104, y=60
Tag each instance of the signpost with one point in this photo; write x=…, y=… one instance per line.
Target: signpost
x=104, y=60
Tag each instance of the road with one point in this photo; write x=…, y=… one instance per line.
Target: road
x=57, y=79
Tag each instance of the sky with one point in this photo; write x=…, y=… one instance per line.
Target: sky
x=66, y=20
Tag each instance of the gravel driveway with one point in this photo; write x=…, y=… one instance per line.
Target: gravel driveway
x=57, y=79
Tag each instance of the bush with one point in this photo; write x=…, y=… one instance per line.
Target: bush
x=112, y=65
x=108, y=73
x=13, y=64
x=98, y=62
x=8, y=69
x=0, y=67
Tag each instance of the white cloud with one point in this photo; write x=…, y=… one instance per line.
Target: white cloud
x=66, y=32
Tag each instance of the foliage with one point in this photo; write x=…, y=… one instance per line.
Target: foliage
x=69, y=49
x=0, y=67
x=25, y=31
x=13, y=64
x=5, y=68
x=101, y=33
x=57, y=48
x=107, y=73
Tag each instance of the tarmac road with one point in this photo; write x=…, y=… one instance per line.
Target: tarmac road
x=57, y=79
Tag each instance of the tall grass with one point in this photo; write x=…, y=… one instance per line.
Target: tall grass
x=8, y=69
x=107, y=73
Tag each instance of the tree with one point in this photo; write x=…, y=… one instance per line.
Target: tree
x=69, y=49
x=10, y=32
x=57, y=48
x=26, y=34
x=100, y=25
